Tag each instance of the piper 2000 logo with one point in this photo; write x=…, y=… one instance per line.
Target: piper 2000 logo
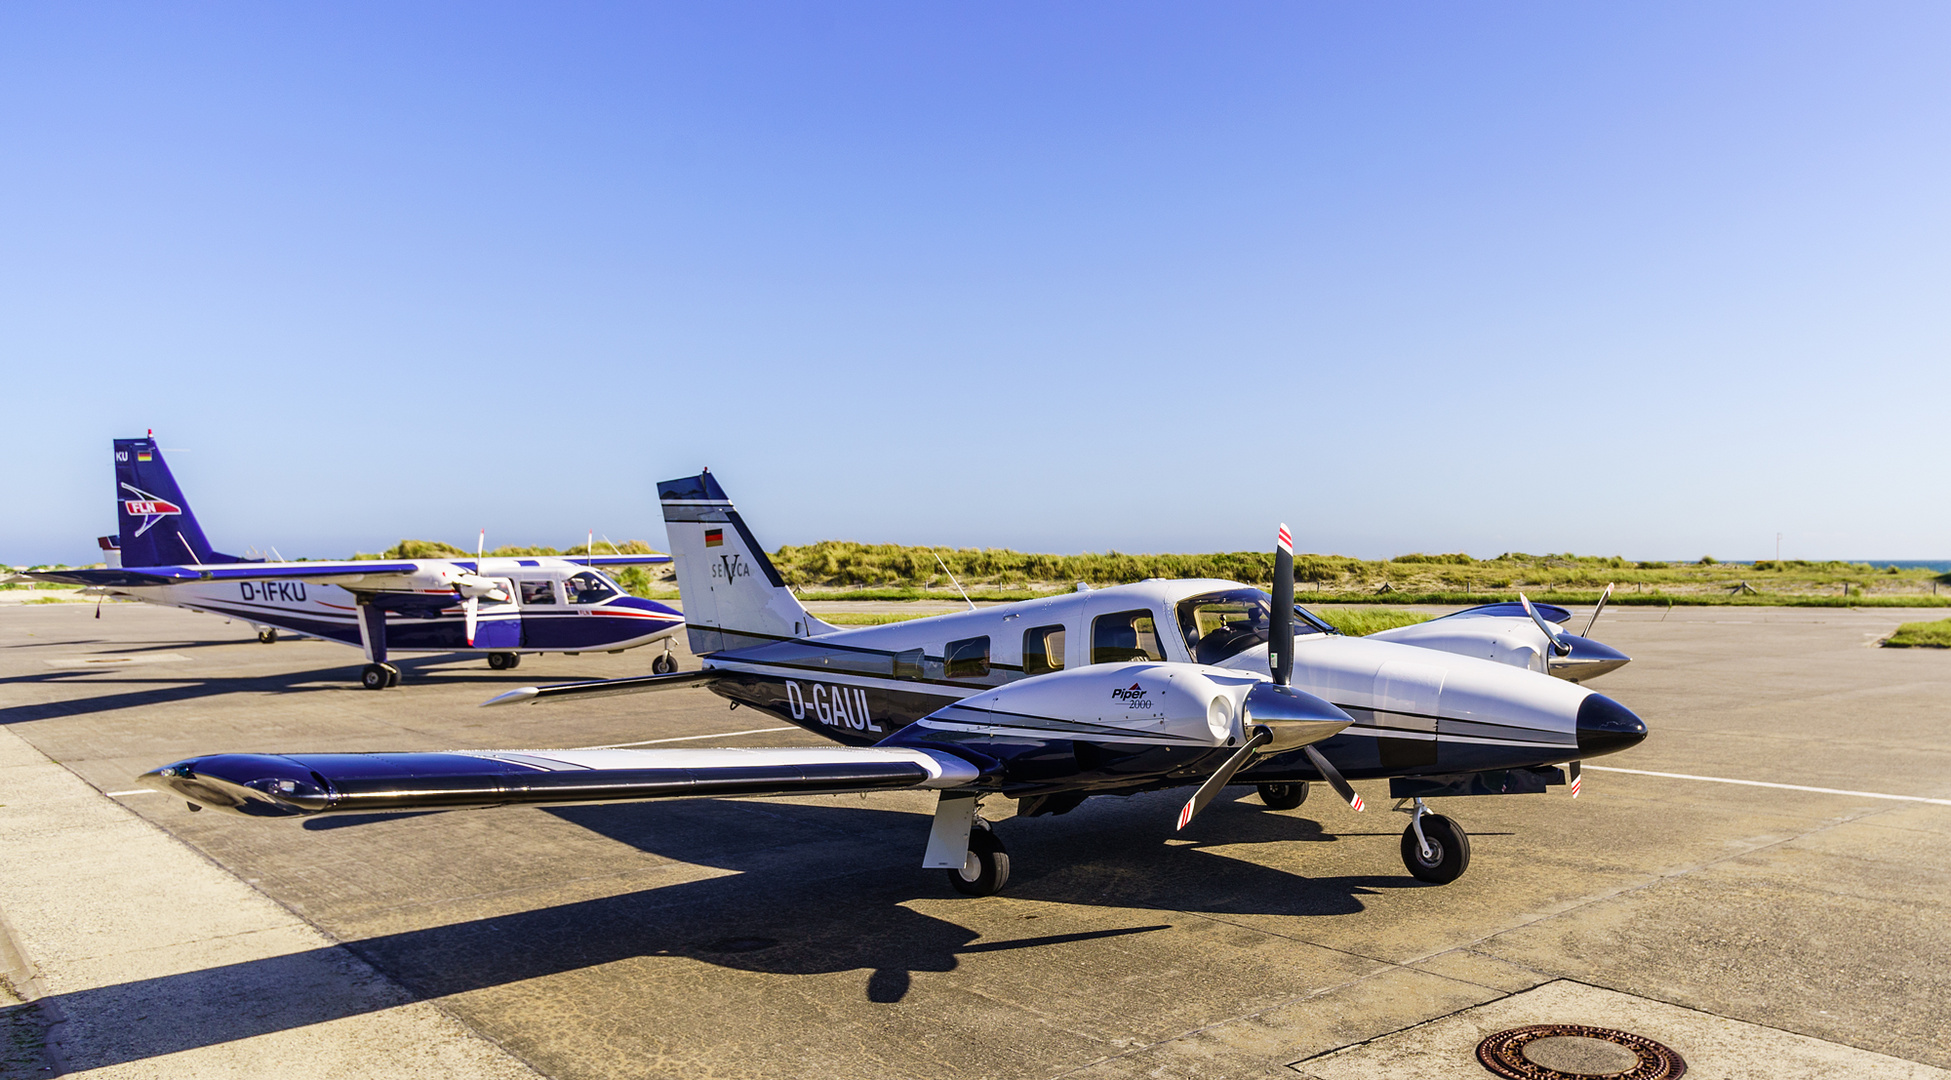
x=1134, y=698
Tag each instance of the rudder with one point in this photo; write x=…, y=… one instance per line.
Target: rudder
x=732, y=594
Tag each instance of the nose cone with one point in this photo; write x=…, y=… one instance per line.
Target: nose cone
x=1607, y=727
x=1294, y=717
x=1588, y=659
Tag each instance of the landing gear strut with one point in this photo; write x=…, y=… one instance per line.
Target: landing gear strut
x=379, y=676
x=504, y=661
x=986, y=869
x=1434, y=848
x=1283, y=796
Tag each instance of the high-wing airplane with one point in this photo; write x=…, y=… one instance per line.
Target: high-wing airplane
x=502, y=607
x=1525, y=634
x=1050, y=701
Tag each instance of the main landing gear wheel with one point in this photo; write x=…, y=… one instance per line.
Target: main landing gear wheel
x=267, y=636
x=379, y=676
x=504, y=661
x=1449, y=850
x=663, y=665
x=986, y=870
x=1283, y=796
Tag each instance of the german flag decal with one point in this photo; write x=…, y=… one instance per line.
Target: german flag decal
x=714, y=537
x=142, y=455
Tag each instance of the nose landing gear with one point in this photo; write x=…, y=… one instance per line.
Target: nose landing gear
x=666, y=663
x=1283, y=796
x=1434, y=848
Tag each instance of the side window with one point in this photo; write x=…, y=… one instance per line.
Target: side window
x=1043, y=650
x=967, y=658
x=538, y=592
x=1124, y=635
x=587, y=588
x=907, y=665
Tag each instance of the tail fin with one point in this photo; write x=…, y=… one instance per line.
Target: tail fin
x=733, y=597
x=157, y=526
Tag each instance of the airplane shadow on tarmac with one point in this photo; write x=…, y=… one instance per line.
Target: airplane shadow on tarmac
x=159, y=688
x=817, y=889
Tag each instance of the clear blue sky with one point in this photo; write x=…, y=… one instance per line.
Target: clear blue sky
x=1660, y=279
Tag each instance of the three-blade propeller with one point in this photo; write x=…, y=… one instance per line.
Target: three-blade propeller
x=1559, y=646
x=1593, y=621
x=1278, y=717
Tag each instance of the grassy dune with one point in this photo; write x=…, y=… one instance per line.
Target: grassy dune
x=1929, y=635
x=843, y=569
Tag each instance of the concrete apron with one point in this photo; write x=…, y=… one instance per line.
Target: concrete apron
x=1713, y=1046
x=139, y=953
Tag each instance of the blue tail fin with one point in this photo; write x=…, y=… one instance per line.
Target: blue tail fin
x=157, y=526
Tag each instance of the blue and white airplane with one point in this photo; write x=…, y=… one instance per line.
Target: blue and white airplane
x=1050, y=701
x=502, y=607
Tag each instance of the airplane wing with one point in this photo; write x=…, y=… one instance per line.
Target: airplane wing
x=595, y=688
x=288, y=785
x=615, y=560
x=346, y=572
x=112, y=576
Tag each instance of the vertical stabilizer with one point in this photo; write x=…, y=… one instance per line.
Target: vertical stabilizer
x=157, y=528
x=732, y=595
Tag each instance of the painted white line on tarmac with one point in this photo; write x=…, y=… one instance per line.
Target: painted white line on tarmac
x=137, y=791
x=1766, y=784
x=685, y=738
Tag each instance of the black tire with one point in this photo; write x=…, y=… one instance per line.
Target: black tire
x=267, y=636
x=392, y=675
x=502, y=661
x=1284, y=796
x=1450, y=858
x=663, y=665
x=373, y=677
x=987, y=869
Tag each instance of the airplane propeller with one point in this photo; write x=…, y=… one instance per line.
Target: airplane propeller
x=1276, y=715
x=1559, y=646
x=1603, y=597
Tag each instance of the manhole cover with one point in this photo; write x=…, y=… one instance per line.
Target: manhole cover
x=1563, y=1051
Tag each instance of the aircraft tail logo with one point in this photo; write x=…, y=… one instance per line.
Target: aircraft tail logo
x=146, y=506
x=733, y=595
x=157, y=527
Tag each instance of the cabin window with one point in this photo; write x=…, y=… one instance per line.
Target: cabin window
x=1222, y=625
x=966, y=659
x=588, y=588
x=538, y=592
x=1123, y=636
x=907, y=665
x=1043, y=650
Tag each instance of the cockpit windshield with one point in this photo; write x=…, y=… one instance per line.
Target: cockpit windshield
x=589, y=587
x=1221, y=625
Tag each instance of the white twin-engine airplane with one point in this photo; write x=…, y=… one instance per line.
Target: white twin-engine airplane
x=1049, y=701
x=502, y=607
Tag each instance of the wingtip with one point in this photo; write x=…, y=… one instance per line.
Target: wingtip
x=514, y=697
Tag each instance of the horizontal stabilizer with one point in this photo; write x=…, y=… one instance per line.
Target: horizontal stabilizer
x=123, y=577
x=595, y=688
x=288, y=785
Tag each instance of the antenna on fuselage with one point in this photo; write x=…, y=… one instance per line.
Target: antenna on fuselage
x=952, y=581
